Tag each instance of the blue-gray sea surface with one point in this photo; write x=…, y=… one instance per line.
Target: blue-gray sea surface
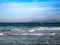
x=29, y=34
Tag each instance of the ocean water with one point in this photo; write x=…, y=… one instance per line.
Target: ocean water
x=29, y=33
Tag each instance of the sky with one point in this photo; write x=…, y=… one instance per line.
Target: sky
x=28, y=10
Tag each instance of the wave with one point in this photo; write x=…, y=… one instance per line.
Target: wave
x=26, y=28
x=28, y=31
x=48, y=28
x=15, y=34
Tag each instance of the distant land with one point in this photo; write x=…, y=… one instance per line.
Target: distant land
x=38, y=21
x=46, y=21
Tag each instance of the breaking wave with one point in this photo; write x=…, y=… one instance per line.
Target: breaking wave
x=28, y=31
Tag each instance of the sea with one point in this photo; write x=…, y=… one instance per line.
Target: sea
x=29, y=33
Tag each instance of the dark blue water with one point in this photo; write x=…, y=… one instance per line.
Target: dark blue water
x=31, y=24
x=29, y=33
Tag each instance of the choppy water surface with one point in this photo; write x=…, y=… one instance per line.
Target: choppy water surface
x=30, y=35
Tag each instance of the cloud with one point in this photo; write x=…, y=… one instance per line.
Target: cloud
x=27, y=11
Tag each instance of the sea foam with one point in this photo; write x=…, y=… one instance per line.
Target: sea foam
x=28, y=31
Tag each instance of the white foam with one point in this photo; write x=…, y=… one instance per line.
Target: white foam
x=16, y=30
x=37, y=34
x=31, y=30
x=47, y=28
x=1, y=34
